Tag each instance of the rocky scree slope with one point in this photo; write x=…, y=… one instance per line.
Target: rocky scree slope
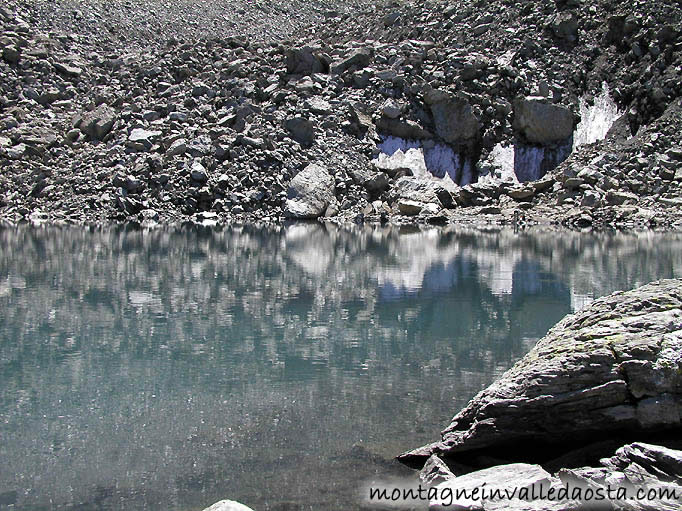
x=168, y=111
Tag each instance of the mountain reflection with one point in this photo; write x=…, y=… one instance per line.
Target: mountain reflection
x=170, y=368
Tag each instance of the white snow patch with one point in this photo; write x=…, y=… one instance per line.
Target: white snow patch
x=595, y=120
x=428, y=160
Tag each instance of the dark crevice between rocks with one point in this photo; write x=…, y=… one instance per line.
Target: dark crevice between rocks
x=552, y=455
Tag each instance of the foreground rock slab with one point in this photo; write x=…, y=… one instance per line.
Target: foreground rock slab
x=613, y=368
x=638, y=477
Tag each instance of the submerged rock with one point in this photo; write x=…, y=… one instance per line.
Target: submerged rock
x=613, y=368
x=228, y=505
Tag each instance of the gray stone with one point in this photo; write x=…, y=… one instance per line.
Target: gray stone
x=503, y=477
x=391, y=18
x=409, y=207
x=132, y=184
x=141, y=139
x=357, y=60
x=541, y=122
x=201, y=89
x=319, y=106
x=481, y=29
x=591, y=199
x=622, y=351
x=404, y=129
x=391, y=109
x=38, y=136
x=16, y=152
x=521, y=192
x=435, y=471
x=302, y=130
x=565, y=25
x=423, y=190
x=306, y=61
x=177, y=147
x=68, y=70
x=11, y=54
x=374, y=181
x=198, y=172
x=97, y=123
x=310, y=192
x=453, y=117
x=201, y=146
x=616, y=198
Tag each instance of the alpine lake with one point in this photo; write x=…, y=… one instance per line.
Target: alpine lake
x=283, y=367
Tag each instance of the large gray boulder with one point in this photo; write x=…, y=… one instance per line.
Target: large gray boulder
x=613, y=368
x=309, y=193
x=541, y=122
x=453, y=117
x=470, y=492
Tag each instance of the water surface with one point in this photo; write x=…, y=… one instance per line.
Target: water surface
x=281, y=367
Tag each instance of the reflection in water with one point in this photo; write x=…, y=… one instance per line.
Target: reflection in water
x=279, y=367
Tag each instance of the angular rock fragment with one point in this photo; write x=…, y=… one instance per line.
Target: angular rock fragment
x=307, y=60
x=97, y=123
x=309, y=193
x=302, y=130
x=142, y=140
x=542, y=122
x=453, y=117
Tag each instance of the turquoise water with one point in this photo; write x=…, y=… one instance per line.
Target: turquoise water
x=281, y=367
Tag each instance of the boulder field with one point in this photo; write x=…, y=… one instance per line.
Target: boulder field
x=208, y=111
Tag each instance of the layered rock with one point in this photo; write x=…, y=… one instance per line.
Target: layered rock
x=613, y=368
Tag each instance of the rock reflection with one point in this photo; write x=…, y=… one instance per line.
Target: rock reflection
x=170, y=368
